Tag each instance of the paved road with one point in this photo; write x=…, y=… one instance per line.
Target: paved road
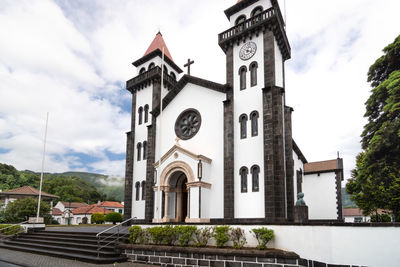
x=34, y=260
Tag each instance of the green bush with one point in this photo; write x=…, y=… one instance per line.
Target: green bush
x=263, y=236
x=238, y=237
x=48, y=219
x=185, y=234
x=221, y=235
x=97, y=218
x=381, y=218
x=202, y=236
x=169, y=235
x=114, y=217
x=10, y=231
x=156, y=234
x=136, y=234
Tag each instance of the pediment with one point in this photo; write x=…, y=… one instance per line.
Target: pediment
x=178, y=148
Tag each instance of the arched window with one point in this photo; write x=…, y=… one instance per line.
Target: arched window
x=140, y=114
x=242, y=74
x=240, y=19
x=243, y=126
x=173, y=75
x=144, y=150
x=142, y=70
x=253, y=73
x=143, y=190
x=165, y=70
x=254, y=123
x=137, y=187
x=146, y=113
x=243, y=179
x=255, y=172
x=256, y=11
x=139, y=150
x=152, y=65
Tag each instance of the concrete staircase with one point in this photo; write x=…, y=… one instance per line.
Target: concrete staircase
x=71, y=245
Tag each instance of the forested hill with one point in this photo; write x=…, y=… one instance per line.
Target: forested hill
x=79, y=186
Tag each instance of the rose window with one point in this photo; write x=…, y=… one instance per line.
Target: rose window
x=188, y=124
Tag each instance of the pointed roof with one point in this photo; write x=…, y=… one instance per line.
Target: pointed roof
x=158, y=43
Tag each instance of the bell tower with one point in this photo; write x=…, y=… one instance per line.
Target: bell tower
x=258, y=162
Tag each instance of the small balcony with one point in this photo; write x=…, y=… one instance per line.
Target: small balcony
x=268, y=19
x=147, y=77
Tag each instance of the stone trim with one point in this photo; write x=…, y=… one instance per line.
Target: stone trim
x=274, y=154
x=289, y=163
x=199, y=184
x=172, y=168
x=152, y=55
x=130, y=151
x=298, y=152
x=181, y=84
x=339, y=178
x=183, y=151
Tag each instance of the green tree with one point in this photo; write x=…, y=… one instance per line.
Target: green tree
x=114, y=217
x=20, y=209
x=375, y=181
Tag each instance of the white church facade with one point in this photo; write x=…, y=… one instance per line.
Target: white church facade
x=214, y=152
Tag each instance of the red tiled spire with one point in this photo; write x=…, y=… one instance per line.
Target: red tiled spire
x=158, y=43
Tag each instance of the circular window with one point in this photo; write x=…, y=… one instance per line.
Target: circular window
x=187, y=124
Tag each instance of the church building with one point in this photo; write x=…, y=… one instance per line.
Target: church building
x=211, y=152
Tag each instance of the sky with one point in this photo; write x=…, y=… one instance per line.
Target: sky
x=71, y=58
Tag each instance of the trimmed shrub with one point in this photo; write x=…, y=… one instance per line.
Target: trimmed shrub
x=156, y=234
x=136, y=234
x=169, y=235
x=202, y=236
x=114, y=217
x=185, y=234
x=98, y=218
x=221, y=235
x=263, y=236
x=238, y=237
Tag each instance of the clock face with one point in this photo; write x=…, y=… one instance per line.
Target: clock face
x=247, y=51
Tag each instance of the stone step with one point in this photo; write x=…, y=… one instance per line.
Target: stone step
x=66, y=249
x=67, y=255
x=71, y=238
x=69, y=243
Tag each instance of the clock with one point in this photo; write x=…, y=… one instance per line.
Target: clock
x=247, y=51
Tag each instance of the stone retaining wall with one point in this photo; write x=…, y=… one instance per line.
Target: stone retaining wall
x=189, y=256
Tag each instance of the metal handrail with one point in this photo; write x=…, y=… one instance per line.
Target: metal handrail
x=13, y=225
x=107, y=237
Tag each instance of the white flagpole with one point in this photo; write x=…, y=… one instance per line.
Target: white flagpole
x=41, y=174
x=159, y=195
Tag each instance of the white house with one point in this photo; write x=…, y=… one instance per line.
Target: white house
x=209, y=151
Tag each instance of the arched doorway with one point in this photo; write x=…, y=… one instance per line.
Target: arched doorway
x=177, y=197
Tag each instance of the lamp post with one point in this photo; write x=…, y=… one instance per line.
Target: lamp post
x=199, y=176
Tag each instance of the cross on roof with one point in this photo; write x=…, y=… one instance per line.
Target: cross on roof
x=188, y=65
